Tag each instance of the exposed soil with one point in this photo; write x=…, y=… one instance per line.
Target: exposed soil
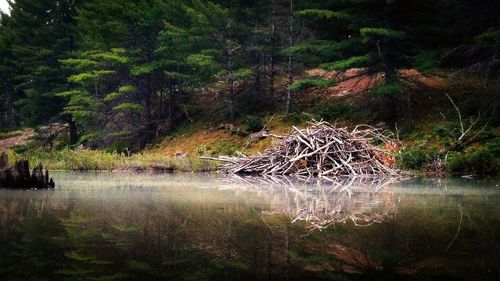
x=12, y=139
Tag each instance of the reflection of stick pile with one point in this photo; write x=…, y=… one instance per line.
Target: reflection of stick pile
x=320, y=150
x=364, y=201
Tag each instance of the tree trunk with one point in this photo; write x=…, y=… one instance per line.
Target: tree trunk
x=162, y=100
x=272, y=61
x=272, y=73
x=230, y=88
x=149, y=123
x=171, y=104
x=256, y=79
x=289, y=84
x=388, y=62
x=73, y=133
x=290, y=61
x=4, y=160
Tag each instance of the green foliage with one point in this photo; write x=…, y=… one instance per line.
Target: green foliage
x=127, y=89
x=482, y=161
x=128, y=106
x=317, y=14
x=347, y=63
x=83, y=78
x=253, y=124
x=69, y=94
x=30, y=53
x=112, y=57
x=369, y=33
x=112, y=97
x=88, y=137
x=309, y=83
x=301, y=117
x=489, y=37
x=118, y=146
x=494, y=147
x=414, y=159
x=426, y=61
x=332, y=110
x=88, y=160
x=202, y=62
x=224, y=148
x=387, y=89
x=443, y=134
x=203, y=149
x=319, y=50
x=106, y=64
x=242, y=73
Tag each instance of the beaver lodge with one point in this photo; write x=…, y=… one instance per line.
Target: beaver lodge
x=321, y=150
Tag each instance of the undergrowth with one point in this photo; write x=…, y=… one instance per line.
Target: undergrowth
x=101, y=160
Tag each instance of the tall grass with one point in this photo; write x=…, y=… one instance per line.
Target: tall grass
x=101, y=160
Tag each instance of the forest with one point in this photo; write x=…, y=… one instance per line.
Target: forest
x=117, y=77
x=249, y=140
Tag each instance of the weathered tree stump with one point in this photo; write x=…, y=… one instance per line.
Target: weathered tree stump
x=4, y=161
x=19, y=176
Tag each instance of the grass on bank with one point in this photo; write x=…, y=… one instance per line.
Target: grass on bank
x=421, y=143
x=100, y=160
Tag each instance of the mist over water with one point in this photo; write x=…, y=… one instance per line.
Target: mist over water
x=106, y=226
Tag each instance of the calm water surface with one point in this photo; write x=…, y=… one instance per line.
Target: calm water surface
x=102, y=226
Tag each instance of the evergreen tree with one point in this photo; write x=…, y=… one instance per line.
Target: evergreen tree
x=132, y=42
x=7, y=69
x=134, y=67
x=42, y=33
x=378, y=35
x=212, y=43
x=183, y=56
x=102, y=95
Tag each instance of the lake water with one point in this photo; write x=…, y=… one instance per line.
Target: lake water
x=103, y=226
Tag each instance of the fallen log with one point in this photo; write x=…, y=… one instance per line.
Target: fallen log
x=19, y=176
x=321, y=150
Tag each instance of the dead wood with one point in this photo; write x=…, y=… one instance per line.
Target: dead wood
x=19, y=176
x=321, y=150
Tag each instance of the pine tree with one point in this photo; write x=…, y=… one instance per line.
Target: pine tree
x=7, y=69
x=41, y=33
x=211, y=42
x=183, y=55
x=380, y=36
x=129, y=30
x=102, y=100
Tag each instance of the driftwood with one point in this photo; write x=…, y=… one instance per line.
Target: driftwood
x=321, y=150
x=19, y=176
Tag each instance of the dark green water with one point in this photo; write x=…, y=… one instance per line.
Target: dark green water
x=187, y=227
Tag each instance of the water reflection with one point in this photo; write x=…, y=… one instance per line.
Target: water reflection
x=192, y=227
x=362, y=200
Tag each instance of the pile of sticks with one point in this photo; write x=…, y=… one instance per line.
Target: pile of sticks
x=321, y=150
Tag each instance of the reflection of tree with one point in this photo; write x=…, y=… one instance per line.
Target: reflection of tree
x=27, y=245
x=149, y=230
x=364, y=201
